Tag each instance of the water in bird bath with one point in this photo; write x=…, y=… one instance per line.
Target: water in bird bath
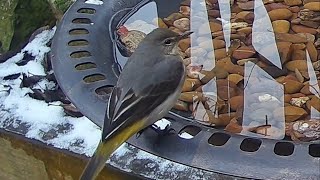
x=250, y=70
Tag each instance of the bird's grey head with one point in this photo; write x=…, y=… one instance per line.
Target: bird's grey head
x=166, y=40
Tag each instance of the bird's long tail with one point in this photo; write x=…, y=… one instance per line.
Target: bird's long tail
x=106, y=148
x=98, y=160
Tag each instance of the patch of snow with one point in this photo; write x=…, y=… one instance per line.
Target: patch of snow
x=38, y=115
x=96, y=2
x=186, y=135
x=162, y=123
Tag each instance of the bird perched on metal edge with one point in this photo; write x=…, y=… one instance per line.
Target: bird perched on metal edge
x=148, y=87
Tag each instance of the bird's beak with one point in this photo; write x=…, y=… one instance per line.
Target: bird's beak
x=184, y=35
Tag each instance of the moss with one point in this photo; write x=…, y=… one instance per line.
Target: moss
x=6, y=23
x=29, y=16
x=63, y=5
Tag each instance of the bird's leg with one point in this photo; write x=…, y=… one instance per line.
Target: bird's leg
x=140, y=132
x=163, y=132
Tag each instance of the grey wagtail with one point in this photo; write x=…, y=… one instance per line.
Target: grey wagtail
x=147, y=88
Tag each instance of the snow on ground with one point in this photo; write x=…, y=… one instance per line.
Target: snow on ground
x=40, y=117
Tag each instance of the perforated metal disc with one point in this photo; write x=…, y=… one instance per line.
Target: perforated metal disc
x=84, y=39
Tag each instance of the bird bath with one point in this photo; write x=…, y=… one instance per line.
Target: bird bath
x=248, y=154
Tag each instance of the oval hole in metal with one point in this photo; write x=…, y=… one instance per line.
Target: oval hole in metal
x=219, y=139
x=104, y=92
x=189, y=132
x=84, y=66
x=80, y=54
x=78, y=31
x=87, y=11
x=283, y=148
x=314, y=150
x=79, y=42
x=94, y=78
x=81, y=21
x=250, y=144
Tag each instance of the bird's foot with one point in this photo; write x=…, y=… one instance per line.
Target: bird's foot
x=140, y=132
x=161, y=132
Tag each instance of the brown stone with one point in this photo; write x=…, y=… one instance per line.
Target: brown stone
x=249, y=18
x=292, y=113
x=214, y=13
x=313, y=6
x=293, y=2
x=305, y=90
x=226, y=92
x=311, y=24
x=192, y=96
x=190, y=84
x=185, y=10
x=313, y=53
x=242, y=14
x=245, y=30
x=218, y=72
x=172, y=17
x=246, y=5
x=236, y=78
x=299, y=46
x=210, y=44
x=297, y=95
x=213, y=27
x=295, y=21
x=161, y=24
x=233, y=126
x=279, y=14
x=218, y=54
x=315, y=103
x=299, y=55
x=225, y=82
x=294, y=9
x=301, y=65
x=224, y=119
x=236, y=102
x=281, y=26
x=181, y=106
x=293, y=38
x=285, y=51
x=303, y=29
x=291, y=86
x=242, y=62
x=307, y=36
x=184, y=44
x=243, y=52
x=287, y=98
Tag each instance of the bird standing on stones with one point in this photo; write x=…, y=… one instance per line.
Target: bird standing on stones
x=148, y=87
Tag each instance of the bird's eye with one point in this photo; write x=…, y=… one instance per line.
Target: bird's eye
x=168, y=42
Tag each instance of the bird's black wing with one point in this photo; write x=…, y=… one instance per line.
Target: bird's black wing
x=137, y=94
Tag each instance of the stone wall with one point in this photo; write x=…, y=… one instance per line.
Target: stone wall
x=20, y=18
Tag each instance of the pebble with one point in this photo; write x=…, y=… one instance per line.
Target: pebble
x=279, y=14
x=281, y=26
